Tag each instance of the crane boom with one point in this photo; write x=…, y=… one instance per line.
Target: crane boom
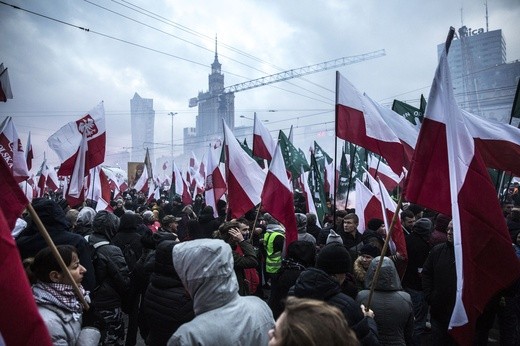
x=295, y=73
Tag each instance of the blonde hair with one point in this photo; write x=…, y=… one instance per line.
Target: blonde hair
x=313, y=322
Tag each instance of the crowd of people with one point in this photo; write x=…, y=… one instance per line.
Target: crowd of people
x=186, y=274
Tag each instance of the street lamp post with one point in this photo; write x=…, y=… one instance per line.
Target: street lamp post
x=172, y=114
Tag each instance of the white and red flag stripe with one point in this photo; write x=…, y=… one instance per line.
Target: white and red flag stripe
x=263, y=143
x=448, y=175
x=359, y=121
x=277, y=196
x=377, y=168
x=215, y=186
x=29, y=154
x=11, y=150
x=180, y=185
x=65, y=141
x=244, y=177
x=497, y=143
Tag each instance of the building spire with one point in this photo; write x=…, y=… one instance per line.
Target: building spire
x=216, y=54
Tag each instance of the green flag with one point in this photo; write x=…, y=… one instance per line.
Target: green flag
x=316, y=185
x=422, y=106
x=410, y=113
x=358, y=161
x=294, y=159
x=249, y=152
x=343, y=174
x=322, y=158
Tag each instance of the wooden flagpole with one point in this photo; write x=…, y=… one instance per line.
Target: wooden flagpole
x=52, y=246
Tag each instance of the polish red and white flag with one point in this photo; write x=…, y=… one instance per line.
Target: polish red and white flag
x=66, y=141
x=359, y=121
x=278, y=198
x=11, y=150
x=263, y=143
x=449, y=176
x=244, y=177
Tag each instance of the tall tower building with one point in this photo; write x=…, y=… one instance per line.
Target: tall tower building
x=214, y=105
x=484, y=82
x=143, y=119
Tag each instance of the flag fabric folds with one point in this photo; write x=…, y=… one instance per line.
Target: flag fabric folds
x=5, y=85
x=263, y=143
x=29, y=155
x=277, y=197
x=448, y=175
x=11, y=150
x=497, y=143
x=20, y=321
x=377, y=168
x=65, y=141
x=245, y=179
x=214, y=182
x=409, y=112
x=180, y=186
x=359, y=121
x=294, y=159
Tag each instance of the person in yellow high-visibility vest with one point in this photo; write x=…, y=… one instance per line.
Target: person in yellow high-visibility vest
x=274, y=240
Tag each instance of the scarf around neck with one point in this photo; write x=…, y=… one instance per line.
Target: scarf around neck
x=60, y=295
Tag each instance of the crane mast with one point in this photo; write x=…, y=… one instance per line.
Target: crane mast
x=294, y=73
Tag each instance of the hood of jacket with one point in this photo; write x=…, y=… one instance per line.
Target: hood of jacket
x=388, y=278
x=51, y=215
x=105, y=223
x=205, y=267
x=316, y=284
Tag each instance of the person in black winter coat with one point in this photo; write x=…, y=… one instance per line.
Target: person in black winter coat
x=208, y=222
x=129, y=241
x=316, y=284
x=166, y=304
x=30, y=241
x=112, y=276
x=439, y=283
x=300, y=255
x=418, y=248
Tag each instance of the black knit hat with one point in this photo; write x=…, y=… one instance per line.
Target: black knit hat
x=374, y=224
x=334, y=259
x=371, y=250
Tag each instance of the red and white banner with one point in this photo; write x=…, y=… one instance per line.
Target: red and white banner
x=214, y=182
x=29, y=154
x=11, y=150
x=448, y=175
x=244, y=177
x=65, y=142
x=263, y=143
x=497, y=143
x=278, y=198
x=359, y=121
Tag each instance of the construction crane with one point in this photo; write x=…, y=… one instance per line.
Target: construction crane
x=294, y=73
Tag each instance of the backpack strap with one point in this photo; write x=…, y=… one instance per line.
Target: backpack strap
x=101, y=243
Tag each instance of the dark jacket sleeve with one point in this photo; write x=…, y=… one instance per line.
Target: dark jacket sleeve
x=427, y=275
x=249, y=259
x=118, y=271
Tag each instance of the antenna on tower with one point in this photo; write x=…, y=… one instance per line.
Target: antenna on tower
x=461, y=17
x=487, y=17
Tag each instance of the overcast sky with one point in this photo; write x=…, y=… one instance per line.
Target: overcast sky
x=59, y=72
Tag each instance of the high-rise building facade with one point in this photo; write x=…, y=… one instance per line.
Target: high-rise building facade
x=143, y=119
x=214, y=105
x=484, y=82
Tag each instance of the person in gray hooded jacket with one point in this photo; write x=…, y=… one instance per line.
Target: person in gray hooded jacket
x=222, y=317
x=392, y=306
